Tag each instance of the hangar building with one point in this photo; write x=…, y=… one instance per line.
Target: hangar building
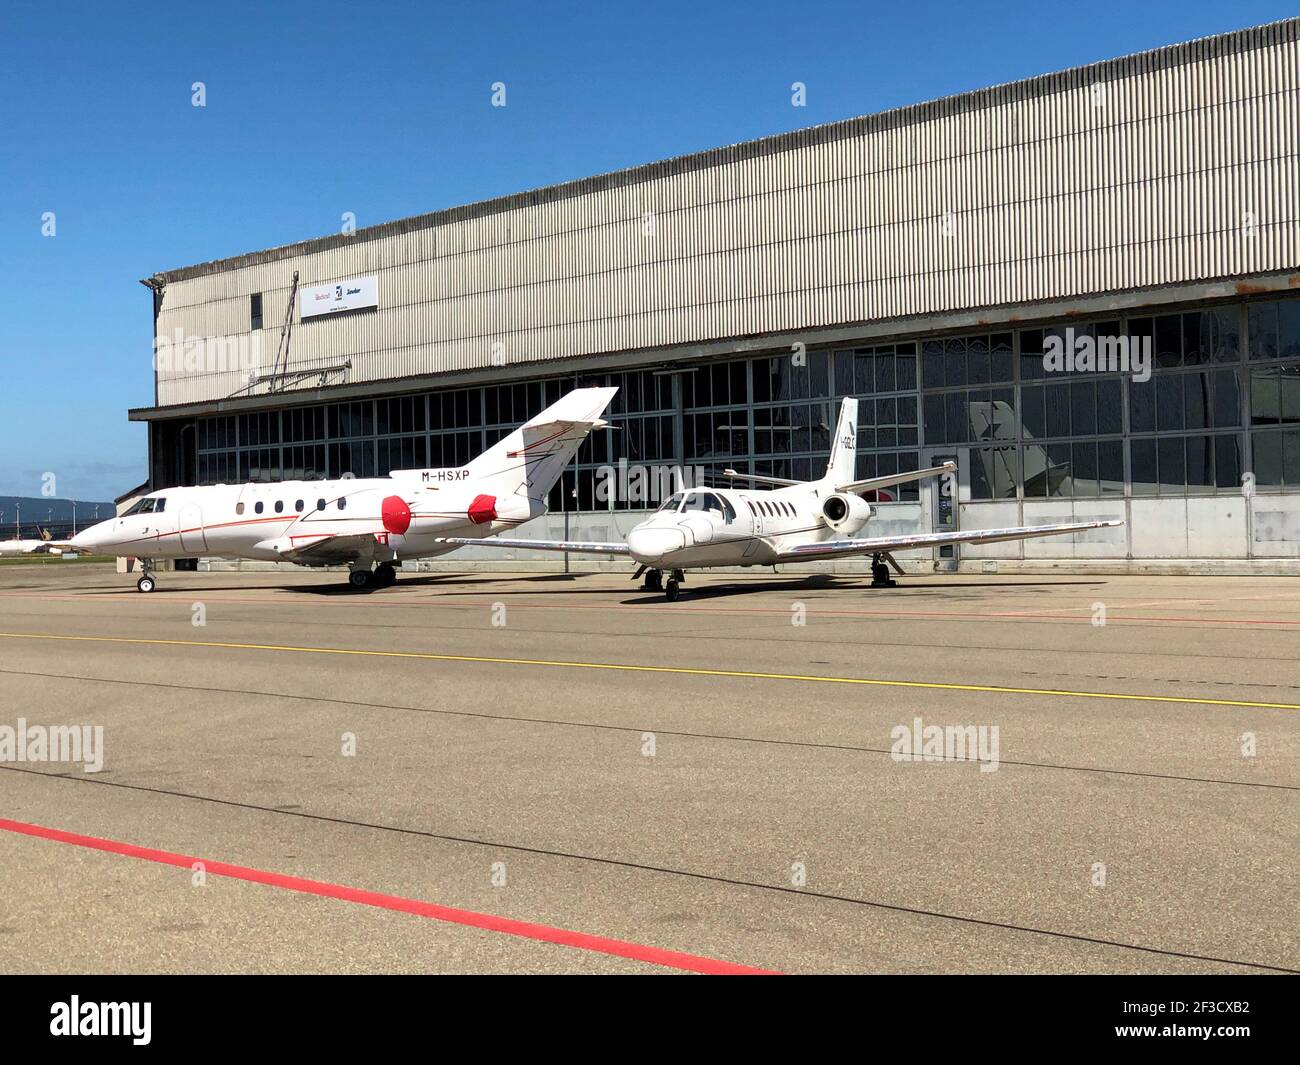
x=939, y=262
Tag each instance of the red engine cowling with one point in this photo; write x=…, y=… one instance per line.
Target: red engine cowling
x=482, y=510
x=395, y=514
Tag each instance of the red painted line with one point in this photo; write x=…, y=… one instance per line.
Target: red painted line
x=469, y=603
x=525, y=929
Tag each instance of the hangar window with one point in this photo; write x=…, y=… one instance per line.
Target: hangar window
x=255, y=310
x=279, y=506
x=258, y=507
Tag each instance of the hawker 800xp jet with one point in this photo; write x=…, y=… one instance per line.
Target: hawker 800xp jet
x=368, y=524
x=798, y=521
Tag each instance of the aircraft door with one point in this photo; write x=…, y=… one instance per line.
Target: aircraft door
x=193, y=535
x=756, y=526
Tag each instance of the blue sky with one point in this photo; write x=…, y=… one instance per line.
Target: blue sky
x=383, y=109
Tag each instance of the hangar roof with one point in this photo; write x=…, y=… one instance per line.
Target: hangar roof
x=1044, y=84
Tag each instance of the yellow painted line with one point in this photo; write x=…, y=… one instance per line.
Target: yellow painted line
x=633, y=668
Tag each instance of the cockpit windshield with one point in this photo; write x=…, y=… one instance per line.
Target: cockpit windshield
x=672, y=502
x=703, y=501
x=147, y=505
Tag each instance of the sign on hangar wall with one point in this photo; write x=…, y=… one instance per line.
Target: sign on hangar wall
x=351, y=295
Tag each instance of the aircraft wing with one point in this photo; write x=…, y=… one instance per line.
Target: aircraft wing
x=886, y=544
x=579, y=546
x=325, y=549
x=759, y=478
x=889, y=480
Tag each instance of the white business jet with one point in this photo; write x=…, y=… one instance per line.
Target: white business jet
x=798, y=521
x=369, y=523
x=44, y=546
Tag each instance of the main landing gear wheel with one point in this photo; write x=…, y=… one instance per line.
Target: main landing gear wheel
x=145, y=584
x=360, y=579
x=385, y=574
x=880, y=577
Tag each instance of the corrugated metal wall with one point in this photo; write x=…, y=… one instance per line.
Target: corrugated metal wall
x=1171, y=166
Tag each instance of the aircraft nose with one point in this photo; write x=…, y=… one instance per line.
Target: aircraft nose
x=94, y=538
x=651, y=545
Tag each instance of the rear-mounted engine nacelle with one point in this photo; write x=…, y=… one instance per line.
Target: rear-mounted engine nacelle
x=844, y=513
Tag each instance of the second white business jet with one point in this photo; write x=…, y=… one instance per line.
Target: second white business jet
x=368, y=524
x=799, y=521
x=46, y=545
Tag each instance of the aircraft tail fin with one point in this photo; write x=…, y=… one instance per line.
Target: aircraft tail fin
x=530, y=460
x=844, y=445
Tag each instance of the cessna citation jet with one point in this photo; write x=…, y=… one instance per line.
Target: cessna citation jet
x=369, y=523
x=799, y=521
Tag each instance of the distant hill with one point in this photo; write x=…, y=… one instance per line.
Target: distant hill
x=38, y=513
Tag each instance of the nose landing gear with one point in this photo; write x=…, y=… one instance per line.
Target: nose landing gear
x=673, y=589
x=146, y=583
x=654, y=582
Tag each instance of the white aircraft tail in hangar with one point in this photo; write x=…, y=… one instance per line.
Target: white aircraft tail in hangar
x=366, y=523
x=794, y=521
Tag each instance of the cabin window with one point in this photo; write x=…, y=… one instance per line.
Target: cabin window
x=257, y=507
x=239, y=508
x=320, y=504
x=672, y=502
x=159, y=505
x=728, y=511
x=279, y=506
x=342, y=503
x=750, y=504
x=298, y=506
